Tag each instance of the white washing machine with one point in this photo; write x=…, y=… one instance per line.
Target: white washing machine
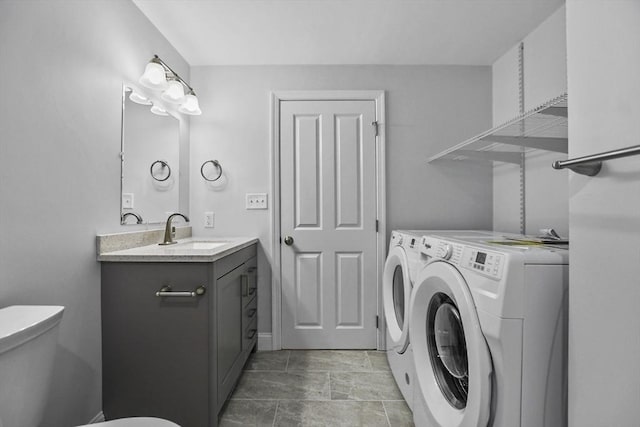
x=488, y=329
x=403, y=263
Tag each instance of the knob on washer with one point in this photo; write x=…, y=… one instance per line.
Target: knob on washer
x=447, y=251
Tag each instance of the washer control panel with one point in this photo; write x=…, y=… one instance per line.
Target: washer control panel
x=437, y=248
x=488, y=263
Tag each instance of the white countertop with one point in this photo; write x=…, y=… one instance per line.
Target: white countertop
x=192, y=249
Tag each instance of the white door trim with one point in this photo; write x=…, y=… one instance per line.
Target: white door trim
x=276, y=272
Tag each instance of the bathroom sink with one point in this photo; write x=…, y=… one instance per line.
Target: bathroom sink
x=200, y=245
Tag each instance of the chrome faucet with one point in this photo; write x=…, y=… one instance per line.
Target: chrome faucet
x=126, y=214
x=168, y=230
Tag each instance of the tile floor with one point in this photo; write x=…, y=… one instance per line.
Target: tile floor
x=317, y=388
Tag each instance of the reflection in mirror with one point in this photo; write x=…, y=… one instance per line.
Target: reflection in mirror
x=150, y=160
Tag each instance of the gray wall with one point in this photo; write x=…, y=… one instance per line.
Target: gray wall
x=604, y=214
x=429, y=108
x=62, y=65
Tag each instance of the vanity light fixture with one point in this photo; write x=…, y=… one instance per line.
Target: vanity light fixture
x=139, y=99
x=159, y=76
x=174, y=93
x=156, y=109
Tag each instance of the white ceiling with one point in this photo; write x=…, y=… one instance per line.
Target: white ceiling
x=259, y=32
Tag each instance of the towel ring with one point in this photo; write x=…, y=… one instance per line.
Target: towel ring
x=214, y=163
x=163, y=164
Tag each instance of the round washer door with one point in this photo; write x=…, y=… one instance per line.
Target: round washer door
x=451, y=357
x=396, y=294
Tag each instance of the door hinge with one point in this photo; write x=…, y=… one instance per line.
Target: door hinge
x=377, y=225
x=377, y=322
x=375, y=126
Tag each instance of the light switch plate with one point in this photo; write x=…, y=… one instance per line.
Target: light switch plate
x=256, y=201
x=127, y=200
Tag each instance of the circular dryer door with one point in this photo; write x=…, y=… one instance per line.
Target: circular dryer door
x=452, y=360
x=396, y=291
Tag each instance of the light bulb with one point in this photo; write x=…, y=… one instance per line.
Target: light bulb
x=159, y=111
x=154, y=77
x=139, y=99
x=174, y=93
x=190, y=106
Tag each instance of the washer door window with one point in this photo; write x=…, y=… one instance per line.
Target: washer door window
x=450, y=354
x=396, y=291
x=448, y=350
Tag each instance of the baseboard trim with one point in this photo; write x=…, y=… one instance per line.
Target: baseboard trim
x=265, y=341
x=98, y=418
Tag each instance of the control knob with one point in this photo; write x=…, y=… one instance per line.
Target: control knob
x=446, y=251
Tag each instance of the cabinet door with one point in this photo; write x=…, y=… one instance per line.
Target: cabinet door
x=155, y=350
x=229, y=328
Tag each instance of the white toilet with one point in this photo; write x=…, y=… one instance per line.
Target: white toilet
x=28, y=338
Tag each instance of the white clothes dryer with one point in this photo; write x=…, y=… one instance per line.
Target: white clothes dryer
x=403, y=263
x=488, y=329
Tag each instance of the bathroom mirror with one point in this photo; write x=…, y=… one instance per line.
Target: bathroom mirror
x=151, y=172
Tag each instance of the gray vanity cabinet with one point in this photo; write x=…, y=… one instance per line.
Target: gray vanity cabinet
x=176, y=358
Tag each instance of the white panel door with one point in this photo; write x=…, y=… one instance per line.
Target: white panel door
x=328, y=209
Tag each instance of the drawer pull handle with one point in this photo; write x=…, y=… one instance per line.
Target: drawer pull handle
x=252, y=333
x=251, y=313
x=166, y=291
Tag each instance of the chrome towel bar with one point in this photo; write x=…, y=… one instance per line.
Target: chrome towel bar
x=166, y=291
x=591, y=165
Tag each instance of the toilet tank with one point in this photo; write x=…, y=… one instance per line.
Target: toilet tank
x=28, y=338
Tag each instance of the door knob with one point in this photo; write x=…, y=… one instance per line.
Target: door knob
x=288, y=240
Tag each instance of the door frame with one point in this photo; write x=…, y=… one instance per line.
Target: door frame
x=378, y=96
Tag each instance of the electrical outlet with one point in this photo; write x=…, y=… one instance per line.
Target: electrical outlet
x=209, y=219
x=256, y=201
x=127, y=200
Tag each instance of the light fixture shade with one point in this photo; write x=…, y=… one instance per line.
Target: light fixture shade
x=154, y=77
x=174, y=93
x=190, y=106
x=156, y=109
x=139, y=99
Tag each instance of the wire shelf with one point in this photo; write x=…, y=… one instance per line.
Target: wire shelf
x=543, y=128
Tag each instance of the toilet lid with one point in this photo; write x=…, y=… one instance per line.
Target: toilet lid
x=137, y=422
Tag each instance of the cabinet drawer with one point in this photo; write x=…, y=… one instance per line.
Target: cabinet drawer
x=250, y=335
